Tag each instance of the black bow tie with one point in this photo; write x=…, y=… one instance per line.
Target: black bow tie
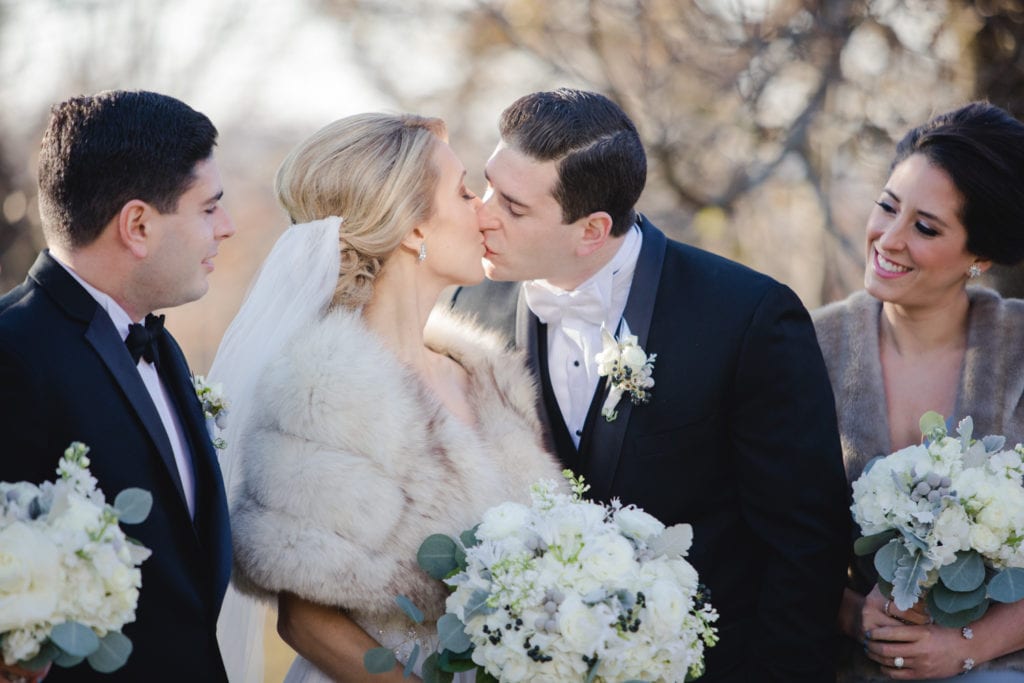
x=142, y=339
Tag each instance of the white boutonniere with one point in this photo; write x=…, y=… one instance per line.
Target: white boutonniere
x=215, y=407
x=628, y=369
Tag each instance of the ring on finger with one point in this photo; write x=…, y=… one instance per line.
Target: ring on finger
x=886, y=608
x=898, y=662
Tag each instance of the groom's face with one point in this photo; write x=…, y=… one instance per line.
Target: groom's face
x=522, y=221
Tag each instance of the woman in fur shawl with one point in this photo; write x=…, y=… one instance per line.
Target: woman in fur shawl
x=367, y=427
x=917, y=339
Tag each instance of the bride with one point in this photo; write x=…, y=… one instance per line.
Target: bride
x=359, y=427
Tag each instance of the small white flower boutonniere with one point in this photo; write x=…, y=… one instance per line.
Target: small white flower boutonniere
x=628, y=369
x=215, y=407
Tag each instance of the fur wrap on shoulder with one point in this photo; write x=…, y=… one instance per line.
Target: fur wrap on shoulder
x=350, y=462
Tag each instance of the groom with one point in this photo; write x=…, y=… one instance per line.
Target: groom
x=739, y=435
x=129, y=195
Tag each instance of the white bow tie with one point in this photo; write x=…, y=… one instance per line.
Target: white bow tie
x=585, y=304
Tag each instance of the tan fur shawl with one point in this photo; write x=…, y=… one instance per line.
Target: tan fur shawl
x=350, y=463
x=991, y=391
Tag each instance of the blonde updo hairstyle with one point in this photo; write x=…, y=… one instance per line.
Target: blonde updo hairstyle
x=375, y=171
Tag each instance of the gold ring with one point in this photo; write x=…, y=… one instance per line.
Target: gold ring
x=886, y=608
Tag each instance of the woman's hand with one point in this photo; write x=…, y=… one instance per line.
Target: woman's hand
x=912, y=652
x=15, y=674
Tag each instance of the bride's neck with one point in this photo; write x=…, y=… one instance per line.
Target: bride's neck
x=398, y=310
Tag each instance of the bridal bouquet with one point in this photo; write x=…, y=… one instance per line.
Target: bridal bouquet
x=69, y=578
x=570, y=590
x=945, y=518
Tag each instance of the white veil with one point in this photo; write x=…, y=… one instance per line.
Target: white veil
x=293, y=287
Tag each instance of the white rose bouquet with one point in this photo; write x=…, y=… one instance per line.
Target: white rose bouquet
x=69, y=577
x=946, y=517
x=569, y=590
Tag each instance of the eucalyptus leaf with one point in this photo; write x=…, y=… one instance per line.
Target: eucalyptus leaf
x=468, y=537
x=452, y=634
x=48, y=652
x=410, y=609
x=456, y=662
x=956, y=601
x=954, y=619
x=133, y=505
x=933, y=425
x=429, y=672
x=379, y=660
x=865, y=545
x=1007, y=585
x=74, y=639
x=113, y=652
x=911, y=571
x=460, y=558
x=483, y=677
x=885, y=588
x=437, y=556
x=477, y=604
x=871, y=463
x=965, y=573
x=64, y=660
x=410, y=664
x=592, y=672
x=886, y=558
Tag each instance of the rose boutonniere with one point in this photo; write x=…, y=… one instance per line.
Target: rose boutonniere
x=628, y=369
x=215, y=407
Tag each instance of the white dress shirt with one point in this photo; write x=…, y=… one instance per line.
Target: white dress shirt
x=157, y=391
x=574, y=321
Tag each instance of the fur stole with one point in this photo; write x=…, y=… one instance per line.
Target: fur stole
x=350, y=462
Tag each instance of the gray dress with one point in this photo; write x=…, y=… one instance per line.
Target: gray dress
x=990, y=391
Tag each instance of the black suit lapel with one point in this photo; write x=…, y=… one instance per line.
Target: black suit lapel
x=528, y=337
x=103, y=337
x=602, y=441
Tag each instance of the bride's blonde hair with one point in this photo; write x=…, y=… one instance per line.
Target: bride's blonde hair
x=376, y=172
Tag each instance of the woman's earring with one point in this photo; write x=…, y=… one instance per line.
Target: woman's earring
x=423, y=253
x=972, y=272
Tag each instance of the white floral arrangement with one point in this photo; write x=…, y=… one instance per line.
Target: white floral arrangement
x=215, y=407
x=945, y=520
x=628, y=369
x=569, y=590
x=69, y=577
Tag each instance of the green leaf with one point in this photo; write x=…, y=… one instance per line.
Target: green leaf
x=452, y=634
x=933, y=425
x=468, y=537
x=410, y=663
x=430, y=673
x=954, y=619
x=437, y=556
x=379, y=660
x=1007, y=585
x=113, y=652
x=949, y=600
x=74, y=639
x=911, y=571
x=64, y=660
x=48, y=652
x=477, y=604
x=133, y=505
x=456, y=662
x=965, y=573
x=886, y=557
x=410, y=608
x=865, y=545
x=592, y=672
x=482, y=676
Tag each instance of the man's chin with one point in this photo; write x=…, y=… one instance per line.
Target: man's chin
x=496, y=273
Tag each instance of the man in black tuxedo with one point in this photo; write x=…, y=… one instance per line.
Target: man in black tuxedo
x=739, y=436
x=130, y=204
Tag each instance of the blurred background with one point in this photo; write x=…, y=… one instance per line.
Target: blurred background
x=769, y=124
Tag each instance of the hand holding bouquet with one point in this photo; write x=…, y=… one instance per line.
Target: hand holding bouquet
x=567, y=589
x=69, y=577
x=946, y=517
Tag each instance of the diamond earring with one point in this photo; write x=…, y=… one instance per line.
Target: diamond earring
x=423, y=252
x=974, y=271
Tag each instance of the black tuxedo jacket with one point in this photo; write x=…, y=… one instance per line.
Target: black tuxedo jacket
x=739, y=439
x=66, y=375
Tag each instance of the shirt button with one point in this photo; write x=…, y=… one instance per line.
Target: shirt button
x=579, y=432
x=576, y=363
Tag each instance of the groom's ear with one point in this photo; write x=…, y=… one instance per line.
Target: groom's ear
x=132, y=228
x=596, y=228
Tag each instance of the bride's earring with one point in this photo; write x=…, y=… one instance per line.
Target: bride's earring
x=972, y=272
x=423, y=253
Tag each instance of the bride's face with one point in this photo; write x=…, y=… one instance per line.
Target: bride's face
x=455, y=244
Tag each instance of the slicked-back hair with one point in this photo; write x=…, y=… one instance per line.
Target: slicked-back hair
x=601, y=162
x=101, y=151
x=981, y=148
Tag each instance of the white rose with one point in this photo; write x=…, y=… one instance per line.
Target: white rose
x=584, y=628
x=983, y=540
x=634, y=357
x=608, y=559
x=666, y=606
x=637, y=523
x=30, y=577
x=503, y=520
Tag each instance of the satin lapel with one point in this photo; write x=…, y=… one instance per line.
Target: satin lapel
x=527, y=329
x=604, y=442
x=211, y=506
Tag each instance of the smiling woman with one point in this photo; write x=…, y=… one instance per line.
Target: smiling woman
x=918, y=339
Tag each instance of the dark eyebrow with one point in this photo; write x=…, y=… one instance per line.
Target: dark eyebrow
x=926, y=214
x=215, y=198
x=507, y=197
